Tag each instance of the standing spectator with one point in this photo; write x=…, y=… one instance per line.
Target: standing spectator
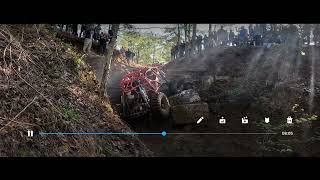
x=176, y=51
x=69, y=28
x=251, y=32
x=75, y=29
x=103, y=43
x=225, y=37
x=83, y=29
x=60, y=26
x=122, y=53
x=306, y=32
x=199, y=43
x=257, y=36
x=292, y=36
x=277, y=37
x=219, y=35
x=189, y=49
x=97, y=30
x=283, y=34
x=172, y=52
x=182, y=47
x=210, y=40
x=316, y=35
x=128, y=56
x=222, y=36
x=231, y=37
x=186, y=50
x=264, y=28
x=215, y=37
x=268, y=39
x=243, y=36
x=110, y=35
x=132, y=55
x=88, y=40
x=206, y=42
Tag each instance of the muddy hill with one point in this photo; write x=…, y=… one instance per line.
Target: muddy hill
x=117, y=70
x=46, y=86
x=256, y=82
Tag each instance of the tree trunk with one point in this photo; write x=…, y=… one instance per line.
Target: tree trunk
x=111, y=46
x=194, y=34
x=138, y=56
x=154, y=54
x=210, y=29
x=178, y=34
x=189, y=32
x=185, y=32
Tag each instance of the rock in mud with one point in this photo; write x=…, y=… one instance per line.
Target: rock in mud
x=224, y=78
x=185, y=97
x=206, y=82
x=189, y=113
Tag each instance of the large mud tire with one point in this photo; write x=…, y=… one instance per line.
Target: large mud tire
x=160, y=106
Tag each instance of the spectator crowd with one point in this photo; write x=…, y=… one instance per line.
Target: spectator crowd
x=93, y=33
x=253, y=35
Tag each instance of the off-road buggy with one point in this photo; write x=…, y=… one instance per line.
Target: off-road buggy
x=141, y=97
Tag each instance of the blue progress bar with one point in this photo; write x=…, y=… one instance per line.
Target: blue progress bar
x=163, y=133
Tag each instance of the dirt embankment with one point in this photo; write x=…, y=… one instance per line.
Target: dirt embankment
x=46, y=86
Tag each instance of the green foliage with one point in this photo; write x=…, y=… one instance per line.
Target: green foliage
x=276, y=143
x=307, y=118
x=271, y=144
x=70, y=114
x=147, y=47
x=276, y=147
x=77, y=57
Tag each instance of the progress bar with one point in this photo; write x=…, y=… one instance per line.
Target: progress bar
x=163, y=133
x=100, y=133
x=221, y=133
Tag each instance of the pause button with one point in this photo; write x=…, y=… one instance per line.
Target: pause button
x=30, y=133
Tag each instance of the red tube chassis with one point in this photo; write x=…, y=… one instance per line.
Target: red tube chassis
x=145, y=77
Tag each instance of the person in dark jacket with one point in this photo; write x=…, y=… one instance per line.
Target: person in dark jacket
x=231, y=37
x=173, y=56
x=75, y=29
x=206, y=42
x=128, y=56
x=199, y=43
x=103, y=43
x=97, y=30
x=110, y=33
x=182, y=47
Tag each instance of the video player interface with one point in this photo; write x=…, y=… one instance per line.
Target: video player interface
x=216, y=90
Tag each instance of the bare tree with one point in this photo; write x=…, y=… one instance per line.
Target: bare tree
x=194, y=34
x=106, y=69
x=185, y=32
x=138, y=56
x=178, y=34
x=189, y=32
